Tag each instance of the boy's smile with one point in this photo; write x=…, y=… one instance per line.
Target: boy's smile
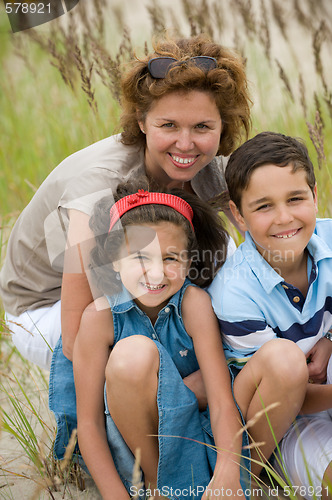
x=279, y=210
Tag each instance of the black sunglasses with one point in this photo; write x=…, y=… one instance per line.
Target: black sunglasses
x=159, y=66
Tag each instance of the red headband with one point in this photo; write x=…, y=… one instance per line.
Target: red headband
x=146, y=198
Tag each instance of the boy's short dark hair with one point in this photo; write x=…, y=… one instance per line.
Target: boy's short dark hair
x=263, y=149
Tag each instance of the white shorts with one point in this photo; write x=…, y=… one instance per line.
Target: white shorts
x=306, y=449
x=35, y=333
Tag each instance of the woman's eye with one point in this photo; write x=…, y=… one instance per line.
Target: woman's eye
x=168, y=125
x=201, y=126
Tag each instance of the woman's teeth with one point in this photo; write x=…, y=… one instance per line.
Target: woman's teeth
x=185, y=161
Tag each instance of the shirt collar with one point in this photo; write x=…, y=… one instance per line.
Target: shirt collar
x=266, y=275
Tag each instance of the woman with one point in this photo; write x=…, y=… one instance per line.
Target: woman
x=183, y=105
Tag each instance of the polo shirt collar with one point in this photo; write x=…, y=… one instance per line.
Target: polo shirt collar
x=265, y=274
x=318, y=248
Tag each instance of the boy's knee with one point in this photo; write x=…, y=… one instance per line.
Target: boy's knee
x=133, y=360
x=286, y=361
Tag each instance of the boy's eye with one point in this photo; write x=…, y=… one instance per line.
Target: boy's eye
x=262, y=207
x=171, y=259
x=296, y=198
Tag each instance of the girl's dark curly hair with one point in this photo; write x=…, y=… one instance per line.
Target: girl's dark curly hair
x=227, y=84
x=207, y=247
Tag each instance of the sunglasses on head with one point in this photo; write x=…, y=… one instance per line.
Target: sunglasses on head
x=159, y=66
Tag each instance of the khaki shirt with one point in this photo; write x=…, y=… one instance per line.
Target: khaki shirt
x=32, y=272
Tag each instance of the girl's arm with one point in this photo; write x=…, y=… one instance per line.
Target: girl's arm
x=76, y=293
x=91, y=353
x=202, y=325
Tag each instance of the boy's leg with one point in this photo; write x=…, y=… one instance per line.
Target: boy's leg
x=276, y=373
x=35, y=333
x=306, y=453
x=131, y=387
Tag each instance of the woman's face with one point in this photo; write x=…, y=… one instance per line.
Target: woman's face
x=182, y=136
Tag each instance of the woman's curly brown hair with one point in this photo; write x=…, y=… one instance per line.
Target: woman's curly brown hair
x=227, y=84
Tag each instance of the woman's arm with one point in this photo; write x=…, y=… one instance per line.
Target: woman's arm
x=202, y=325
x=91, y=353
x=76, y=292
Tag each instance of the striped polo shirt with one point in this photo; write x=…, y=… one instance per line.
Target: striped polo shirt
x=254, y=304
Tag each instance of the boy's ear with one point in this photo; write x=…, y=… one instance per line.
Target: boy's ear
x=115, y=265
x=237, y=216
x=315, y=198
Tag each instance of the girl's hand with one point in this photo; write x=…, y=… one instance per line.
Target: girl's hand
x=219, y=491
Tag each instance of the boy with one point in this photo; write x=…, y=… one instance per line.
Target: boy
x=278, y=284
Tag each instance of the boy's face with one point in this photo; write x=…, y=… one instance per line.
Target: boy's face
x=279, y=210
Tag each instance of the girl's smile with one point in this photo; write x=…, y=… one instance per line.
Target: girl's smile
x=153, y=264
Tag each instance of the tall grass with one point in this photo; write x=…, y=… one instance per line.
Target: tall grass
x=60, y=92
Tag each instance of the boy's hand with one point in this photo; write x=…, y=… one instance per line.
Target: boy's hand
x=319, y=357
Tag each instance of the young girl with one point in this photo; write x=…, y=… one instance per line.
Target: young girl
x=154, y=328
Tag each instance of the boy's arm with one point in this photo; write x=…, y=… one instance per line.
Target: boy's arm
x=91, y=353
x=318, y=398
x=202, y=325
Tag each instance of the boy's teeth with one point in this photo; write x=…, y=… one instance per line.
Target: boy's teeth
x=182, y=160
x=286, y=235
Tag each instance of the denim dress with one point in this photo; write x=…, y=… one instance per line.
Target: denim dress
x=187, y=456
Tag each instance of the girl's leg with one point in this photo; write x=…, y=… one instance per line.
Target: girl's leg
x=35, y=333
x=276, y=373
x=131, y=387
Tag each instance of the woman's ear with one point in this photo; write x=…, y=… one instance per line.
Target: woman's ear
x=237, y=216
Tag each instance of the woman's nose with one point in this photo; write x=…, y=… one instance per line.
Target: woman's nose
x=184, y=140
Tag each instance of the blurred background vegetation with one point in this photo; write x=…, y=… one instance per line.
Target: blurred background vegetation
x=59, y=87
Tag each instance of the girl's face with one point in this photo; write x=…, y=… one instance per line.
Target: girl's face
x=153, y=263
x=183, y=132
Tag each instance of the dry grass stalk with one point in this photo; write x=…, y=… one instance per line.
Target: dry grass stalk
x=279, y=17
x=317, y=41
x=264, y=31
x=85, y=79
x=285, y=80
x=156, y=13
x=300, y=15
x=246, y=11
x=303, y=101
x=317, y=138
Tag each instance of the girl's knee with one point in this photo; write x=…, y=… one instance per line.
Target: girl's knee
x=133, y=360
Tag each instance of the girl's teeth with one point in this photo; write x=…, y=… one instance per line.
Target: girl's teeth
x=153, y=287
x=182, y=160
